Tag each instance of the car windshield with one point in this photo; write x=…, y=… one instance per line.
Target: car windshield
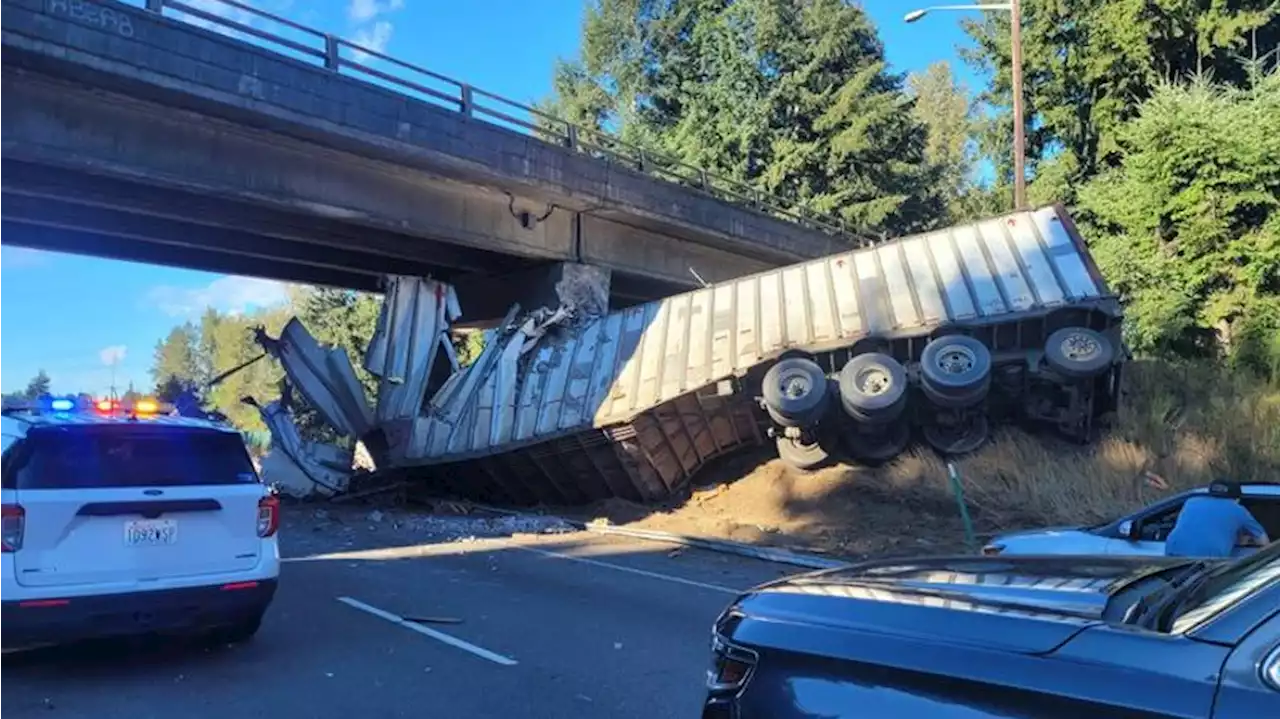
x=89, y=458
x=1227, y=585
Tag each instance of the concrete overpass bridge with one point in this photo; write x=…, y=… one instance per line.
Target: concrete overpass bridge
x=295, y=155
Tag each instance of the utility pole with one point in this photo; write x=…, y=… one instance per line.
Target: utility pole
x=112, y=392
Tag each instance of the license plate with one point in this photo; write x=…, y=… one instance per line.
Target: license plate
x=150, y=532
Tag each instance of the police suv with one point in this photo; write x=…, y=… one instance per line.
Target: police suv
x=122, y=520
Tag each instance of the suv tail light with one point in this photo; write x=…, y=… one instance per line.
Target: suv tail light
x=14, y=525
x=268, y=516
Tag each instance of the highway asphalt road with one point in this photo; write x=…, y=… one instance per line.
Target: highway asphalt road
x=550, y=625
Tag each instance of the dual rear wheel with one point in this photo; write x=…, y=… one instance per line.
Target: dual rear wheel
x=955, y=376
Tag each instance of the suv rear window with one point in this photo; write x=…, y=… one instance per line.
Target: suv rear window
x=99, y=457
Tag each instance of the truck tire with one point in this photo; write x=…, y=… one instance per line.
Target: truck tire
x=873, y=388
x=882, y=446
x=801, y=456
x=956, y=401
x=954, y=441
x=955, y=371
x=795, y=391
x=1079, y=352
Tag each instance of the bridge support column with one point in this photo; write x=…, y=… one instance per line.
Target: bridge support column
x=485, y=300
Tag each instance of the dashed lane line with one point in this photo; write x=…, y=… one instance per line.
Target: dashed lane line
x=631, y=570
x=428, y=631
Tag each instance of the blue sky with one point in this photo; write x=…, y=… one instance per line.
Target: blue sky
x=77, y=316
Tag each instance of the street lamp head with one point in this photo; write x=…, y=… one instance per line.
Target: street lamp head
x=914, y=15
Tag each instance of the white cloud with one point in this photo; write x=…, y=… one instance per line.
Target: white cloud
x=233, y=295
x=366, y=10
x=112, y=355
x=375, y=38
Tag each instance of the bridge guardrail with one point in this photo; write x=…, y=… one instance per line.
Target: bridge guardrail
x=328, y=49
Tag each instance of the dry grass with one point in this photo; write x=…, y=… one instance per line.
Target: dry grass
x=1188, y=423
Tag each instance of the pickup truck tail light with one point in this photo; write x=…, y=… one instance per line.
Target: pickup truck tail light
x=268, y=516
x=14, y=526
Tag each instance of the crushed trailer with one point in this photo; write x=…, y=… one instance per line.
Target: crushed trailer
x=936, y=336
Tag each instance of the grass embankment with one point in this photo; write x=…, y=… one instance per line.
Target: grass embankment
x=1187, y=422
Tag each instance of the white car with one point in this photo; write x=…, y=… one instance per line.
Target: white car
x=120, y=522
x=1140, y=533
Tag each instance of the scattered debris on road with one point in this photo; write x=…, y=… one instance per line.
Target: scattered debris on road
x=351, y=521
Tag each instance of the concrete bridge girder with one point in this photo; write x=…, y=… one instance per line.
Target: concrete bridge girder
x=53, y=123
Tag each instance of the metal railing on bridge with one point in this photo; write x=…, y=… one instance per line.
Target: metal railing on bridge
x=237, y=20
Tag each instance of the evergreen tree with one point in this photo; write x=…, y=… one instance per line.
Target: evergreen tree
x=38, y=386
x=1089, y=64
x=792, y=98
x=237, y=368
x=175, y=360
x=1187, y=225
x=943, y=106
x=206, y=345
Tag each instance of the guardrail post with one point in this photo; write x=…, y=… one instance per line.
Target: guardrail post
x=155, y=6
x=465, y=104
x=571, y=136
x=640, y=161
x=702, y=179
x=332, y=52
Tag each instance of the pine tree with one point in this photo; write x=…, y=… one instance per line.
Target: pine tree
x=175, y=359
x=1187, y=225
x=943, y=106
x=38, y=386
x=1089, y=65
x=792, y=98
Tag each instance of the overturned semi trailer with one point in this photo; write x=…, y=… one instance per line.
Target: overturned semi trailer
x=935, y=336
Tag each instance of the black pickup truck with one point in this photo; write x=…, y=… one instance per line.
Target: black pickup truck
x=1023, y=636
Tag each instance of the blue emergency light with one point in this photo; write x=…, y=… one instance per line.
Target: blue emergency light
x=62, y=404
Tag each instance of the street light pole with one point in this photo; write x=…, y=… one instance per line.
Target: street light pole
x=1014, y=8
x=1019, y=119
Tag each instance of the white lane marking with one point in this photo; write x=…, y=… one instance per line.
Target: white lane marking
x=632, y=570
x=428, y=631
